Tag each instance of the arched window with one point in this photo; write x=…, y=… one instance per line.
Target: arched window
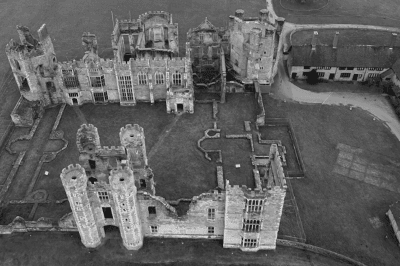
x=142, y=78
x=177, y=78
x=159, y=78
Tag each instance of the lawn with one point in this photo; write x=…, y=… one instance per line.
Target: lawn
x=368, y=12
x=337, y=211
x=354, y=87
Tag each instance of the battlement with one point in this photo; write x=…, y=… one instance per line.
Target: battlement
x=215, y=195
x=122, y=178
x=163, y=14
x=87, y=138
x=131, y=134
x=74, y=176
x=106, y=151
x=246, y=192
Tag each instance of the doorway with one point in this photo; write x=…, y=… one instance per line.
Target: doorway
x=107, y=213
x=74, y=101
x=127, y=57
x=294, y=75
x=179, y=107
x=92, y=164
x=355, y=76
x=331, y=76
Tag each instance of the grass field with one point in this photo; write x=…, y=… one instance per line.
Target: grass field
x=368, y=12
x=337, y=211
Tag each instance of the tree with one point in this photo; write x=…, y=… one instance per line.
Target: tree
x=312, y=77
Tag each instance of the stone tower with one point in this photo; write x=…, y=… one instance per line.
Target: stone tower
x=35, y=68
x=74, y=180
x=132, y=138
x=88, y=143
x=124, y=193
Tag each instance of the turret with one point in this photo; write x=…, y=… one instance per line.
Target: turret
x=124, y=193
x=132, y=138
x=74, y=180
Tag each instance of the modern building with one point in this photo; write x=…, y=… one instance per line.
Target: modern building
x=342, y=54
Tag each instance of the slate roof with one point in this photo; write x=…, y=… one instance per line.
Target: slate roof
x=355, y=48
x=396, y=67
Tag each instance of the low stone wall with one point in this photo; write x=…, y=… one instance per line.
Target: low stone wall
x=217, y=135
x=242, y=136
x=318, y=250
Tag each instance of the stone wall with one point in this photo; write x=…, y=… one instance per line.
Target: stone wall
x=193, y=224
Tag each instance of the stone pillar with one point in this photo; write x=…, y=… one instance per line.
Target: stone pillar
x=74, y=180
x=124, y=193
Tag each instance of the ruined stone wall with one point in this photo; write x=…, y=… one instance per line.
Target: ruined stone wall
x=194, y=224
x=252, y=47
x=269, y=217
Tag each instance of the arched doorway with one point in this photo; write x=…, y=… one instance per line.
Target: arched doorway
x=74, y=101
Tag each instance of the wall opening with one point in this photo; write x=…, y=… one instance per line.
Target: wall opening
x=142, y=183
x=127, y=57
x=107, y=213
x=25, y=85
x=92, y=164
x=355, y=76
x=294, y=75
x=331, y=76
x=179, y=107
x=74, y=101
x=152, y=210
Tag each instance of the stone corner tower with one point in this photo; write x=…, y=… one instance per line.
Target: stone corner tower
x=74, y=180
x=35, y=67
x=133, y=140
x=124, y=193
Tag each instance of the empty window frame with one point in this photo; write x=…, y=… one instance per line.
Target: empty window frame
x=342, y=68
x=125, y=85
x=251, y=225
x=103, y=196
x=210, y=229
x=154, y=228
x=177, y=78
x=142, y=77
x=345, y=75
x=307, y=67
x=73, y=94
x=201, y=37
x=152, y=210
x=159, y=78
x=211, y=214
x=100, y=96
x=321, y=74
x=254, y=205
x=215, y=37
x=249, y=242
x=70, y=79
x=97, y=82
x=360, y=68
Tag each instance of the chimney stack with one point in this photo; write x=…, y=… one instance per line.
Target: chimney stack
x=239, y=13
x=263, y=16
x=393, y=40
x=335, y=40
x=314, y=41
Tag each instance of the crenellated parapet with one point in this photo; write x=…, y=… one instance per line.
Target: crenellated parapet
x=74, y=178
x=87, y=138
x=132, y=138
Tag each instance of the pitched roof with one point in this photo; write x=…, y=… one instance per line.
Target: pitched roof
x=206, y=25
x=396, y=67
x=355, y=48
